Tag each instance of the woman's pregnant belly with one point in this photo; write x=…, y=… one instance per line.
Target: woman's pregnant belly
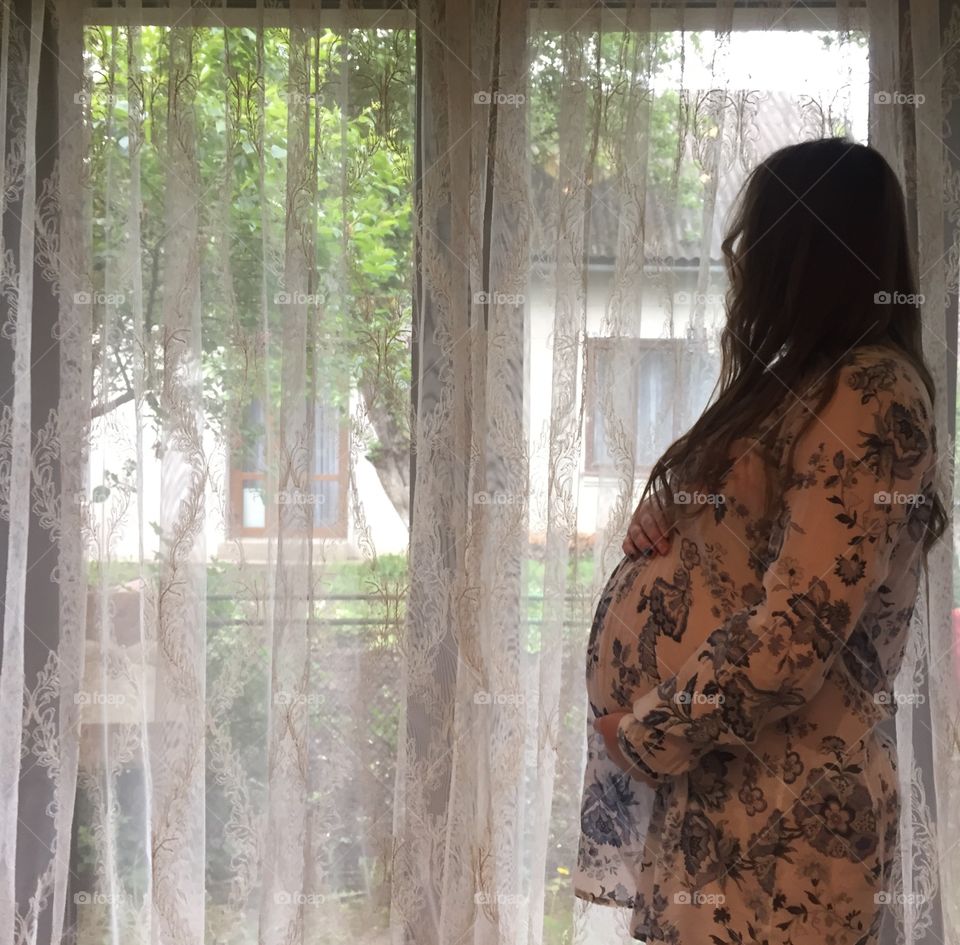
x=653, y=614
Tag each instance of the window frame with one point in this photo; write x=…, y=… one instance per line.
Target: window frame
x=237, y=475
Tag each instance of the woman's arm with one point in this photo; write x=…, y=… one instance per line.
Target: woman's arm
x=875, y=437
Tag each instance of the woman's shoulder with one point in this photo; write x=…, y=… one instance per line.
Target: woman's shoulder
x=876, y=369
x=863, y=378
x=873, y=388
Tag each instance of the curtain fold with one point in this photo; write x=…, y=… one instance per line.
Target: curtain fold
x=913, y=58
x=288, y=656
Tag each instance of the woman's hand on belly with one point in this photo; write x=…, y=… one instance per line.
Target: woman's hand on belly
x=607, y=725
x=648, y=531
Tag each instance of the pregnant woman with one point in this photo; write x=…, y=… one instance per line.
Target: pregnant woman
x=737, y=789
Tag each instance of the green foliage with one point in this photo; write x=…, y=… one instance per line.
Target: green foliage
x=631, y=123
x=240, y=101
x=320, y=123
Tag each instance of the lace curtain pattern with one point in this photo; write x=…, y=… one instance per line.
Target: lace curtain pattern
x=348, y=338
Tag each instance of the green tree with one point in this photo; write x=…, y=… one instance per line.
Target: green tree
x=359, y=90
x=359, y=97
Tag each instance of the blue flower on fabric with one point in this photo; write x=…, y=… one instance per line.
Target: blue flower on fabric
x=607, y=814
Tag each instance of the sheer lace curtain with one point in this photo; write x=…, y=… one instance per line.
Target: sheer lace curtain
x=336, y=345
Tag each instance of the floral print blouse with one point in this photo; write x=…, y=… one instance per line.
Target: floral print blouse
x=755, y=659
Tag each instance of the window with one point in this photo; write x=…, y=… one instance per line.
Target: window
x=250, y=514
x=630, y=400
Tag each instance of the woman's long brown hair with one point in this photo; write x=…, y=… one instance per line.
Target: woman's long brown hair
x=818, y=237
